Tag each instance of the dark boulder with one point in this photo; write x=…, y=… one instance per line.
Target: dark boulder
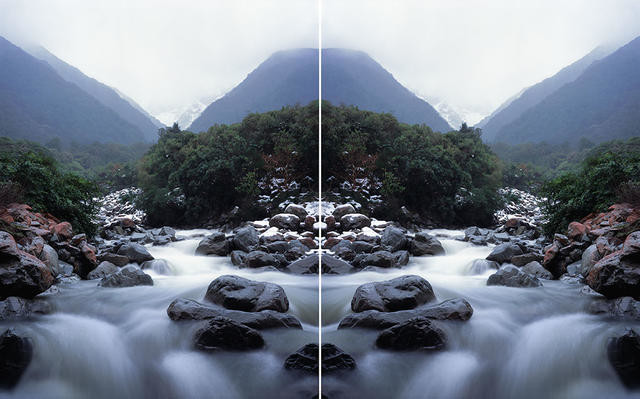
x=452, y=309
x=237, y=293
x=353, y=221
x=511, y=276
x=362, y=247
x=504, y=252
x=285, y=221
x=425, y=244
x=246, y=239
x=616, y=275
x=20, y=308
x=260, y=259
x=624, y=356
x=224, y=333
x=342, y=210
x=277, y=247
x=393, y=239
x=118, y=260
x=521, y=260
x=135, y=252
x=625, y=307
x=187, y=309
x=15, y=355
x=128, y=276
x=380, y=259
x=330, y=265
x=535, y=269
x=413, y=334
x=214, y=244
x=406, y=292
x=238, y=257
x=333, y=359
x=297, y=210
x=104, y=269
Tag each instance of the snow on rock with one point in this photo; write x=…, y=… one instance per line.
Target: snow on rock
x=119, y=204
x=520, y=205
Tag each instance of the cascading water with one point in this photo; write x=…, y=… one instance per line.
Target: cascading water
x=120, y=343
x=520, y=342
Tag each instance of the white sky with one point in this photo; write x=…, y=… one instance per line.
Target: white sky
x=168, y=54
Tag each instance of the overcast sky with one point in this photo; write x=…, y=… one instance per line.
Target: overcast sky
x=168, y=54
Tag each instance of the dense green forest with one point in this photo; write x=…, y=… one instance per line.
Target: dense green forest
x=448, y=178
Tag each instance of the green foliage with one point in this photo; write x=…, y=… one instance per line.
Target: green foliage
x=39, y=182
x=450, y=178
x=189, y=178
x=593, y=188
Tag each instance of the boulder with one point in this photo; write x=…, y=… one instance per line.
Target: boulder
x=521, y=260
x=352, y=221
x=237, y=293
x=625, y=308
x=278, y=247
x=380, y=259
x=624, y=355
x=393, y=239
x=590, y=257
x=246, y=239
x=135, y=253
x=49, y=257
x=306, y=359
x=452, y=309
x=425, y=244
x=128, y=276
x=616, y=275
x=402, y=258
x=631, y=246
x=15, y=355
x=224, y=333
x=504, y=252
x=103, y=270
x=414, y=334
x=297, y=210
x=535, y=269
x=342, y=210
x=118, y=260
x=159, y=266
x=20, y=308
x=511, y=276
x=187, y=309
x=362, y=247
x=21, y=274
x=577, y=231
x=256, y=259
x=62, y=230
x=214, y=244
x=406, y=292
x=330, y=265
x=285, y=221
x=238, y=257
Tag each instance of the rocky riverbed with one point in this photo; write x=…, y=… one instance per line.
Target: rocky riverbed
x=405, y=312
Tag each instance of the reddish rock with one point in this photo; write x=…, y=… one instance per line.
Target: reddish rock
x=631, y=244
x=576, y=231
x=513, y=222
x=330, y=221
x=127, y=223
x=331, y=242
x=309, y=242
x=89, y=253
x=21, y=274
x=308, y=222
x=63, y=230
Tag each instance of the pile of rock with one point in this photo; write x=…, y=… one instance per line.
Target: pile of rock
x=288, y=242
x=119, y=205
x=236, y=309
x=402, y=309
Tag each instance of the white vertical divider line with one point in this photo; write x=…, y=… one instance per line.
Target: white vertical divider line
x=319, y=198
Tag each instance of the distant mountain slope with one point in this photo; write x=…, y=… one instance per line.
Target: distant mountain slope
x=126, y=108
x=37, y=104
x=291, y=77
x=285, y=78
x=353, y=78
x=603, y=103
x=531, y=96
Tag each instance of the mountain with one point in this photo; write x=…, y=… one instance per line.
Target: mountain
x=291, y=77
x=126, y=108
x=39, y=105
x=285, y=78
x=353, y=78
x=603, y=103
x=517, y=105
